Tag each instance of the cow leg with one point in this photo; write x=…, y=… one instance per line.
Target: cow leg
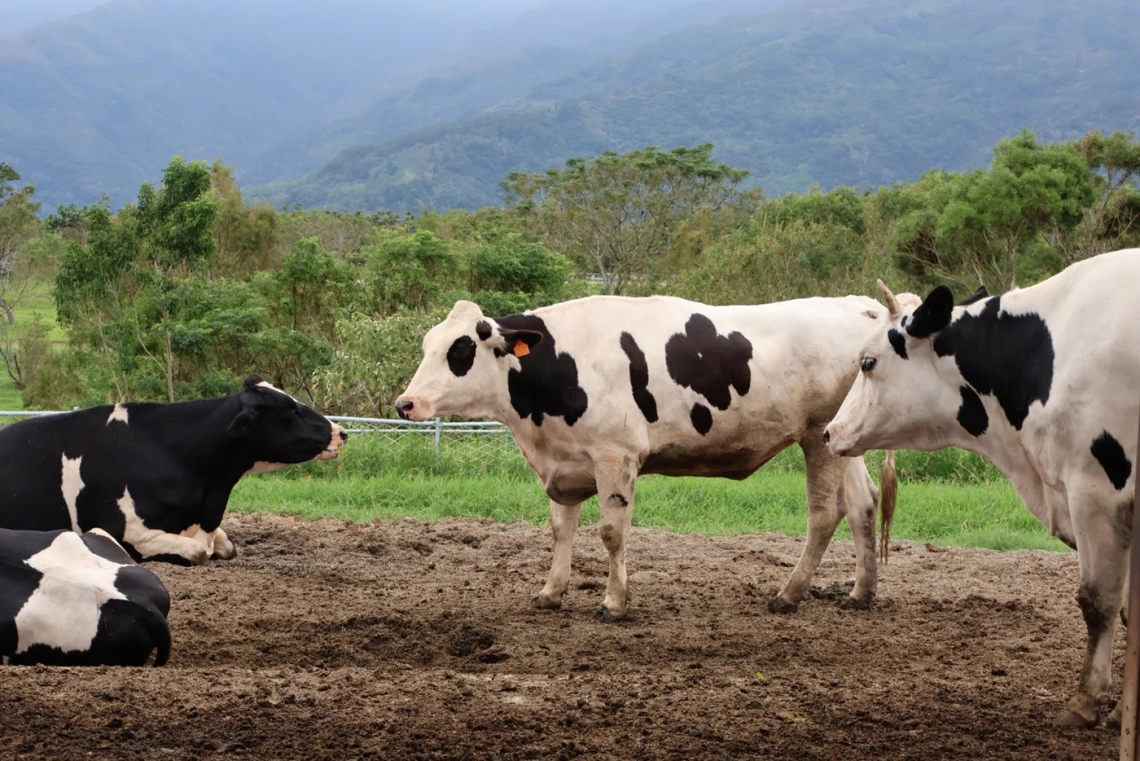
x=563, y=524
x=173, y=548
x=1102, y=553
x=861, y=499
x=616, y=482
x=825, y=474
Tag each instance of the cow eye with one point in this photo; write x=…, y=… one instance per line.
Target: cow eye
x=867, y=364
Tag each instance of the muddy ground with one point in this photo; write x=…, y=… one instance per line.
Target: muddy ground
x=337, y=641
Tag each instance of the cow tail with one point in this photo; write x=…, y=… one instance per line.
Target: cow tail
x=890, y=497
x=156, y=625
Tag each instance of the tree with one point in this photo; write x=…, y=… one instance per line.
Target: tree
x=1114, y=220
x=981, y=223
x=245, y=237
x=620, y=213
x=125, y=277
x=176, y=225
x=19, y=227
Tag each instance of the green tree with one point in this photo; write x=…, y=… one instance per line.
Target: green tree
x=619, y=214
x=979, y=225
x=245, y=237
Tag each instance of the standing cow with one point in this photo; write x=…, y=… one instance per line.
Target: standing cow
x=156, y=477
x=1044, y=382
x=602, y=389
x=78, y=600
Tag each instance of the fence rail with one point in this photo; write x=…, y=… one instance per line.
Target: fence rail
x=485, y=444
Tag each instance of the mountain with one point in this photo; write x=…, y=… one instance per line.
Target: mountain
x=496, y=67
x=102, y=101
x=859, y=92
x=18, y=16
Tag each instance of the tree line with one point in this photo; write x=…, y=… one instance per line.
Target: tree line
x=181, y=293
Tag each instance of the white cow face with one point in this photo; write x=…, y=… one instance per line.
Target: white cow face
x=905, y=396
x=461, y=372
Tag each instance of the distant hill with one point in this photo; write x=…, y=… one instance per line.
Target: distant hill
x=860, y=92
x=102, y=101
x=495, y=68
x=18, y=16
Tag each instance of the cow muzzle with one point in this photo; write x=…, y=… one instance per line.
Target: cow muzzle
x=336, y=443
x=408, y=409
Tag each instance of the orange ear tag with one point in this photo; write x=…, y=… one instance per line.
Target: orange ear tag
x=521, y=349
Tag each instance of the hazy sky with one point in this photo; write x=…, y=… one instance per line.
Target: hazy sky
x=20, y=15
x=17, y=16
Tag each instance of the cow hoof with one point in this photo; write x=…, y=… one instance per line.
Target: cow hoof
x=776, y=605
x=854, y=603
x=227, y=553
x=1081, y=712
x=608, y=616
x=547, y=603
x=1114, y=719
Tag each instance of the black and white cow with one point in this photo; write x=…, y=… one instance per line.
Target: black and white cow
x=78, y=600
x=1045, y=382
x=599, y=390
x=156, y=477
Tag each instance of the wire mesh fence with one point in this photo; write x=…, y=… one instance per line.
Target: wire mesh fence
x=377, y=445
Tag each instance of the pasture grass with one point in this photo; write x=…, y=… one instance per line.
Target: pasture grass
x=974, y=509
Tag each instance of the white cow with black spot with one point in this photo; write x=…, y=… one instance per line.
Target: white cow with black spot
x=1044, y=382
x=601, y=390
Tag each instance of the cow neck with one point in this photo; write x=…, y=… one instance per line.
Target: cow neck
x=201, y=442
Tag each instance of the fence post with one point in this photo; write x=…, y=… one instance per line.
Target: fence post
x=1130, y=716
x=438, y=435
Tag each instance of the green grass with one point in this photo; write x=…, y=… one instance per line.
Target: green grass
x=985, y=514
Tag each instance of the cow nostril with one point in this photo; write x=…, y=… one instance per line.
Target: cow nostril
x=826, y=436
x=403, y=408
x=344, y=436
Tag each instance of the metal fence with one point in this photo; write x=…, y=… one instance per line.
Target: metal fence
x=472, y=446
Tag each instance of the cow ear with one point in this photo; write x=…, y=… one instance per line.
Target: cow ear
x=252, y=382
x=512, y=337
x=979, y=294
x=933, y=314
x=242, y=425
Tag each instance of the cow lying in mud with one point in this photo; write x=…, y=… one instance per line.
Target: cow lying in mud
x=78, y=600
x=1044, y=382
x=600, y=390
x=156, y=477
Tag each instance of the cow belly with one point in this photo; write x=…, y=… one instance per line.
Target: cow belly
x=729, y=462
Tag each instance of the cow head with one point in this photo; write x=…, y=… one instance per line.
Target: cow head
x=461, y=372
x=277, y=430
x=906, y=395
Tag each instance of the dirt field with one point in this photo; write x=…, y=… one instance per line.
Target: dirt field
x=339, y=641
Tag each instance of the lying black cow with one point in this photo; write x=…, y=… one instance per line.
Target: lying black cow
x=71, y=600
x=156, y=477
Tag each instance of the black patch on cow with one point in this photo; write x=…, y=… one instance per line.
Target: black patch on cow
x=702, y=418
x=639, y=377
x=979, y=294
x=709, y=363
x=461, y=355
x=898, y=342
x=615, y=497
x=1108, y=452
x=933, y=314
x=972, y=414
x=546, y=382
x=1004, y=355
x=483, y=330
